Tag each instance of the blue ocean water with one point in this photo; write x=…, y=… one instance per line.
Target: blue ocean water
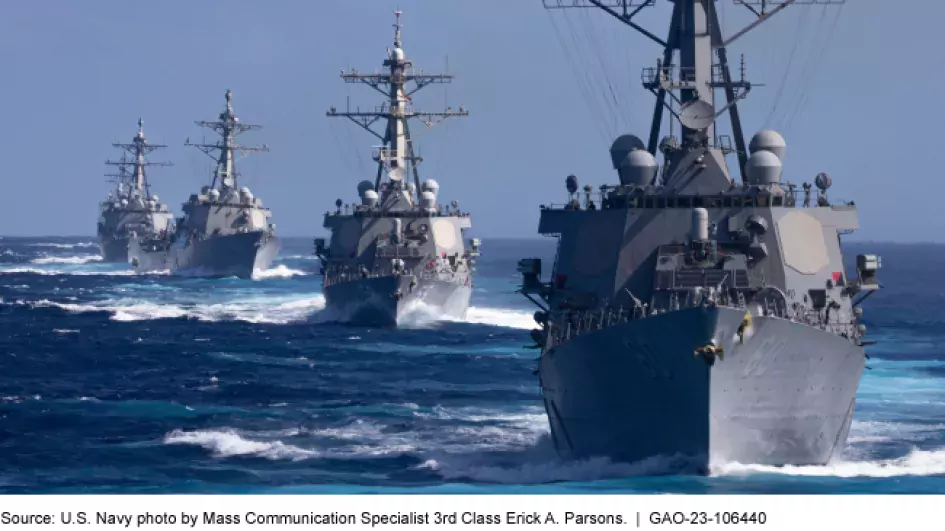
x=117, y=383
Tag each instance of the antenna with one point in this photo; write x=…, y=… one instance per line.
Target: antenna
x=132, y=172
x=228, y=127
x=695, y=33
x=396, y=153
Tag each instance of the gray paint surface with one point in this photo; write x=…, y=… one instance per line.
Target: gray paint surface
x=225, y=229
x=131, y=207
x=399, y=247
x=691, y=314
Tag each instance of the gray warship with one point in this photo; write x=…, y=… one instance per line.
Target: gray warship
x=225, y=230
x=689, y=315
x=131, y=207
x=398, y=250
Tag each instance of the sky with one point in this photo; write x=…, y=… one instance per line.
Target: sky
x=855, y=90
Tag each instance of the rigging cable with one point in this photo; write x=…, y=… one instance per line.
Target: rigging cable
x=601, y=105
x=598, y=53
x=787, y=70
x=577, y=78
x=801, y=78
x=821, y=59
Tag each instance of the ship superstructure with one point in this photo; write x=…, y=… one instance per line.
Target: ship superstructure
x=225, y=229
x=690, y=314
x=131, y=207
x=399, y=248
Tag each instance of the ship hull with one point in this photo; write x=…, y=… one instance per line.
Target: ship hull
x=236, y=255
x=114, y=250
x=636, y=391
x=373, y=302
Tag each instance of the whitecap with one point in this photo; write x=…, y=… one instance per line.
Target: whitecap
x=74, y=260
x=280, y=271
x=228, y=443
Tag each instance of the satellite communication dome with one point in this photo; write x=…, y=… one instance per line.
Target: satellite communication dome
x=369, y=198
x=428, y=200
x=124, y=202
x=622, y=146
x=364, y=186
x=638, y=168
x=214, y=194
x=398, y=54
x=156, y=198
x=338, y=203
x=764, y=167
x=430, y=185
x=768, y=140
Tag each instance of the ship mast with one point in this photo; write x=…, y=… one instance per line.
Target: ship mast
x=695, y=39
x=224, y=153
x=131, y=173
x=396, y=153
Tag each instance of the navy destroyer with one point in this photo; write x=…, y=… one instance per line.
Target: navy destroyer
x=225, y=230
x=689, y=314
x=398, y=249
x=131, y=207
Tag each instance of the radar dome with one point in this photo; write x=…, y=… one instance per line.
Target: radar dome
x=369, y=198
x=428, y=200
x=364, y=186
x=622, y=146
x=430, y=185
x=571, y=183
x=638, y=168
x=398, y=54
x=768, y=140
x=764, y=167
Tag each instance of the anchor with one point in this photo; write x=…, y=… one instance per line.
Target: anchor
x=709, y=352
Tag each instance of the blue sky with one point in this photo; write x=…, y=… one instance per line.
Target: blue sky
x=855, y=92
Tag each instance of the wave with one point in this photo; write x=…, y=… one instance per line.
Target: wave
x=261, y=311
x=280, y=271
x=62, y=245
x=916, y=463
x=521, y=319
x=228, y=443
x=53, y=272
x=502, y=447
x=79, y=259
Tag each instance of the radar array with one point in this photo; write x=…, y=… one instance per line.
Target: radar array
x=131, y=176
x=396, y=153
x=228, y=127
x=695, y=33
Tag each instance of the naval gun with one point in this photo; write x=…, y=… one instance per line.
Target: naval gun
x=719, y=294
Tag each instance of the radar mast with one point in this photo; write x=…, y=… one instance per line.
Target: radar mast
x=396, y=153
x=228, y=127
x=695, y=40
x=131, y=176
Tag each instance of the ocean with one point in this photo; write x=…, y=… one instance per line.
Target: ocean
x=112, y=382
